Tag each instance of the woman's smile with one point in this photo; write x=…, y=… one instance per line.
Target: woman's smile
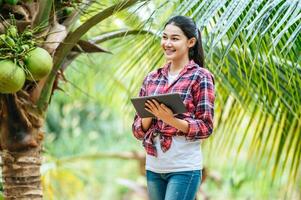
x=169, y=51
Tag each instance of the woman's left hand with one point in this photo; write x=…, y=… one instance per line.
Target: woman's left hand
x=159, y=110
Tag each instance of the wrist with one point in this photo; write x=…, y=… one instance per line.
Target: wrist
x=171, y=120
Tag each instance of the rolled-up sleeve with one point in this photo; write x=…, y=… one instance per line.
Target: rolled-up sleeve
x=137, y=124
x=201, y=123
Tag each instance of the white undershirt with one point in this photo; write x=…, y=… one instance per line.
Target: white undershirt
x=172, y=78
x=183, y=155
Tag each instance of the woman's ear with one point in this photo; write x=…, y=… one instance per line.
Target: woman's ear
x=191, y=42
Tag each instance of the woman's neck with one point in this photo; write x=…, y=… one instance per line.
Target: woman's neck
x=178, y=65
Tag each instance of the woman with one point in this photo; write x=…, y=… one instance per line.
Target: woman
x=172, y=142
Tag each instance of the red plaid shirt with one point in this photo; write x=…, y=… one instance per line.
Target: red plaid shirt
x=196, y=88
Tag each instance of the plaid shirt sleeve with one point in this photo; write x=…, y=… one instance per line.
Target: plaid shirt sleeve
x=201, y=124
x=137, y=124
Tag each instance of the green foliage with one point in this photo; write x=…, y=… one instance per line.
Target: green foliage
x=252, y=48
x=78, y=126
x=82, y=129
x=81, y=124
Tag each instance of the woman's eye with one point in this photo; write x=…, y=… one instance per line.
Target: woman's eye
x=164, y=37
x=175, y=39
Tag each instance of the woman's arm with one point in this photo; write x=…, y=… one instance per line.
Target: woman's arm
x=141, y=125
x=201, y=124
x=166, y=115
x=180, y=124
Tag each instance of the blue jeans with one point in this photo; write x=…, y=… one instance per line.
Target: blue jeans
x=173, y=186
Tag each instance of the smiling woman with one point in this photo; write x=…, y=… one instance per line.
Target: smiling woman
x=172, y=142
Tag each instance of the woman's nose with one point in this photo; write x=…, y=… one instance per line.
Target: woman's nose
x=168, y=43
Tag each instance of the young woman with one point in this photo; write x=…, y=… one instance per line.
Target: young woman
x=172, y=142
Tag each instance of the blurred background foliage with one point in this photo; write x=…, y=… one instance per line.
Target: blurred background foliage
x=253, y=49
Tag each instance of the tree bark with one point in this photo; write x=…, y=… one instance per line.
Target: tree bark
x=21, y=144
x=21, y=174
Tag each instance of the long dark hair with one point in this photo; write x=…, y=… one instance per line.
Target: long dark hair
x=188, y=26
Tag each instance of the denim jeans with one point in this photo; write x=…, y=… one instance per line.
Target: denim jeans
x=173, y=186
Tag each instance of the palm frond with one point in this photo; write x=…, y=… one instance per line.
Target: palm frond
x=71, y=39
x=252, y=48
x=247, y=44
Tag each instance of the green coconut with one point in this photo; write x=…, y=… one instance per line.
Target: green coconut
x=68, y=10
x=38, y=63
x=12, y=77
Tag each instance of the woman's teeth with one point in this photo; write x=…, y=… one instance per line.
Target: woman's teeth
x=169, y=51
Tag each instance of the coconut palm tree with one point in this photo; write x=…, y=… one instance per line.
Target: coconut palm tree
x=51, y=25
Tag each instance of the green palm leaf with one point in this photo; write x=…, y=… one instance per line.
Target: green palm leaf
x=246, y=43
x=253, y=49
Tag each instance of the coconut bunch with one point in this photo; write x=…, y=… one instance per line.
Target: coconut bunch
x=21, y=59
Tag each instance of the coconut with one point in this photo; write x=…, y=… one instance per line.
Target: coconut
x=38, y=63
x=12, y=77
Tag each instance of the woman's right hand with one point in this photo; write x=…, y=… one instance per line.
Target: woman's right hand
x=146, y=122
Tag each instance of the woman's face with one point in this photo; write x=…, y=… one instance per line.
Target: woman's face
x=175, y=44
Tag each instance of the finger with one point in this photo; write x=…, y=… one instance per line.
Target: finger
x=156, y=103
x=152, y=105
x=149, y=110
x=165, y=108
x=147, y=104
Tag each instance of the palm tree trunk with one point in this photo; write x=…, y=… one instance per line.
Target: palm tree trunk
x=21, y=137
x=21, y=174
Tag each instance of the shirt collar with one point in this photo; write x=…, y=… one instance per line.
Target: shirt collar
x=189, y=65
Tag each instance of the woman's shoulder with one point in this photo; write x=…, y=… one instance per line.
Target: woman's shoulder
x=202, y=72
x=155, y=73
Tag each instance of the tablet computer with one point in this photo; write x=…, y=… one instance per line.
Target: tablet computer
x=171, y=100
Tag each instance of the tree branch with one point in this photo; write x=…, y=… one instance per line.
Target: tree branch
x=117, y=34
x=66, y=46
x=76, y=14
